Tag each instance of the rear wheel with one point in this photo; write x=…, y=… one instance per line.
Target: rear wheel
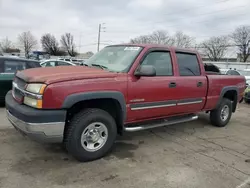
x=222, y=115
x=90, y=135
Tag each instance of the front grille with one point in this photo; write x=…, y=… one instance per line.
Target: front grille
x=20, y=83
x=17, y=89
x=17, y=94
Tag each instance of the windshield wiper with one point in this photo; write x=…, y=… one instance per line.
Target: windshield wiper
x=100, y=66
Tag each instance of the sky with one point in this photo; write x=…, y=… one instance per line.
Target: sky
x=121, y=19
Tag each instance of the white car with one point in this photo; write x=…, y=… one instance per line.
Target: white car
x=55, y=63
x=245, y=72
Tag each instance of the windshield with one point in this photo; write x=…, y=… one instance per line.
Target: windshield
x=115, y=58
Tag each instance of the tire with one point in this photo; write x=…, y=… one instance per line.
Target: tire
x=216, y=116
x=77, y=143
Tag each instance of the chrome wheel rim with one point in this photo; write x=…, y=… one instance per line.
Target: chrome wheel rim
x=224, y=113
x=94, y=136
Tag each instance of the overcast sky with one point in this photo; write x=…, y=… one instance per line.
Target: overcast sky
x=124, y=19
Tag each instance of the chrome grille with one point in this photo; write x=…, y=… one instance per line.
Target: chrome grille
x=17, y=87
x=20, y=83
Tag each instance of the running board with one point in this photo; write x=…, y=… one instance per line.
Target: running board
x=162, y=123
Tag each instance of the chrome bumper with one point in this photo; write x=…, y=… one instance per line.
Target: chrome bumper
x=41, y=132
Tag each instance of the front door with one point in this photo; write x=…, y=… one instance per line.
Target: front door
x=152, y=97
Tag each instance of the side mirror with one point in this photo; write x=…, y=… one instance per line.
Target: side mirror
x=146, y=70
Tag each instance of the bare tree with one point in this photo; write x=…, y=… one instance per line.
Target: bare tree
x=215, y=48
x=182, y=40
x=161, y=37
x=143, y=39
x=241, y=38
x=5, y=44
x=28, y=41
x=67, y=41
x=50, y=44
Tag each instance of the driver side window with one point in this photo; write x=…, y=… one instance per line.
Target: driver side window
x=161, y=61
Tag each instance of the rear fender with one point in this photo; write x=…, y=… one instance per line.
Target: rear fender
x=224, y=91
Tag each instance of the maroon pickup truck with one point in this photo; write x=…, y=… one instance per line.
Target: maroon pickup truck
x=121, y=88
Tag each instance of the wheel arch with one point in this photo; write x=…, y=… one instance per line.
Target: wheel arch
x=231, y=93
x=101, y=98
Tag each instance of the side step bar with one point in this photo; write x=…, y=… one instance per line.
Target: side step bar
x=162, y=123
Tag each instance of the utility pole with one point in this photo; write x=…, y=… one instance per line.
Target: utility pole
x=80, y=42
x=99, y=35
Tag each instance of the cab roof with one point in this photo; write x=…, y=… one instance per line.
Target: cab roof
x=189, y=50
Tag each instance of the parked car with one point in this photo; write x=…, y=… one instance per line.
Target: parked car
x=123, y=88
x=55, y=63
x=73, y=60
x=245, y=73
x=8, y=67
x=247, y=94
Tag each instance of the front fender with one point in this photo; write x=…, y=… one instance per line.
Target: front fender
x=79, y=97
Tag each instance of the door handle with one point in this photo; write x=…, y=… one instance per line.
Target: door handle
x=199, y=84
x=172, y=84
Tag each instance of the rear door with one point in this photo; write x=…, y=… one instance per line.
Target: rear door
x=151, y=97
x=191, y=84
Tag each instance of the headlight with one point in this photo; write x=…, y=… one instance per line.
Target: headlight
x=36, y=103
x=36, y=88
x=33, y=96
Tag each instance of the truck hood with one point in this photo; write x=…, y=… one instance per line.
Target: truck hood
x=62, y=73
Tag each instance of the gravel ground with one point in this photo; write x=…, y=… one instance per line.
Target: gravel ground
x=191, y=155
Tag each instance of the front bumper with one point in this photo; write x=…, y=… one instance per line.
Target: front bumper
x=45, y=126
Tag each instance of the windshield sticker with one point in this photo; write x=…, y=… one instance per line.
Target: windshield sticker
x=132, y=48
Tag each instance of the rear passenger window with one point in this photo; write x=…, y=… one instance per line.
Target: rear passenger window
x=188, y=64
x=161, y=61
x=11, y=66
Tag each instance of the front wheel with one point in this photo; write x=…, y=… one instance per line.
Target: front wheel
x=91, y=134
x=222, y=115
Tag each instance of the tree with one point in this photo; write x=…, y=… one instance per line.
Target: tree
x=28, y=41
x=241, y=38
x=182, y=40
x=215, y=48
x=67, y=41
x=5, y=44
x=161, y=37
x=50, y=44
x=143, y=39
